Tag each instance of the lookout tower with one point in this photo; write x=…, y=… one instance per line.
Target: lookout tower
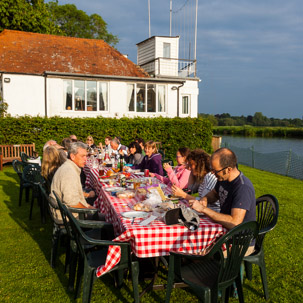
x=159, y=56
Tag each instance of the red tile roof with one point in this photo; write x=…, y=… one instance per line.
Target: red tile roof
x=31, y=53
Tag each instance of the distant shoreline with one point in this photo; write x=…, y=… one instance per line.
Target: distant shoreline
x=255, y=131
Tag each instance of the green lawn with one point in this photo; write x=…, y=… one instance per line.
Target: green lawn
x=26, y=276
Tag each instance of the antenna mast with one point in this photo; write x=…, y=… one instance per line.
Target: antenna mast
x=170, y=16
x=196, y=26
x=149, y=18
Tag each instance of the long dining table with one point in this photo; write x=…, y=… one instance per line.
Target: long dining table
x=154, y=240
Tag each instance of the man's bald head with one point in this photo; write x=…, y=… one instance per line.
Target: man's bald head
x=227, y=157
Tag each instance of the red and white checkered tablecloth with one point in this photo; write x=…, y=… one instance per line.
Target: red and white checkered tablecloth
x=156, y=239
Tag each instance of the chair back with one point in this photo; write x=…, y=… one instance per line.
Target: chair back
x=52, y=207
x=236, y=243
x=24, y=157
x=32, y=174
x=18, y=167
x=267, y=216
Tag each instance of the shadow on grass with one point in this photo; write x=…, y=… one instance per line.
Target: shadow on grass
x=42, y=234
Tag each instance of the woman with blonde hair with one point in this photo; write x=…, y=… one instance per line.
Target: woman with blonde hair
x=90, y=142
x=51, y=161
x=152, y=160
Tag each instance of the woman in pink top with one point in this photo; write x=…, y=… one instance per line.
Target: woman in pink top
x=178, y=176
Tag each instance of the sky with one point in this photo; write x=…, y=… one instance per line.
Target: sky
x=249, y=53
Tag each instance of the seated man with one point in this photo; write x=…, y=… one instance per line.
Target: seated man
x=117, y=147
x=66, y=181
x=234, y=191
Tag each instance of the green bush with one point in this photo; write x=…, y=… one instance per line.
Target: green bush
x=173, y=133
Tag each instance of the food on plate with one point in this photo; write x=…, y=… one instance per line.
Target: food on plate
x=141, y=193
x=127, y=175
x=142, y=207
x=127, y=194
x=109, y=173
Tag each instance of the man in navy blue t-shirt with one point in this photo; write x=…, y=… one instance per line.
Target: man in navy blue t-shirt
x=234, y=191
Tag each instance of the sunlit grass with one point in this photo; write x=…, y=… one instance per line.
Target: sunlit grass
x=26, y=276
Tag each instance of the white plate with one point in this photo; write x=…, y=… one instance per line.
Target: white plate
x=139, y=173
x=135, y=214
x=114, y=188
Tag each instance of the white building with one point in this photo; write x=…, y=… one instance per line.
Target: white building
x=49, y=75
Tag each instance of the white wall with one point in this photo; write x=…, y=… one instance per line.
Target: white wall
x=24, y=94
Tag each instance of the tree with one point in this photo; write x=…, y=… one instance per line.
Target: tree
x=3, y=108
x=76, y=23
x=260, y=120
x=26, y=15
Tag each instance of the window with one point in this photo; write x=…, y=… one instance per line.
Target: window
x=161, y=98
x=151, y=98
x=185, y=105
x=140, y=97
x=68, y=94
x=80, y=95
x=91, y=95
x=166, y=50
x=103, y=96
x=131, y=97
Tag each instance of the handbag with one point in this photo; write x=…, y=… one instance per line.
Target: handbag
x=182, y=215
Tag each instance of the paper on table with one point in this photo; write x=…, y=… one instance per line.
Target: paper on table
x=148, y=220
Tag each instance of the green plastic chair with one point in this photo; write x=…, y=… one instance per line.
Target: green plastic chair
x=32, y=175
x=19, y=167
x=92, y=259
x=208, y=274
x=58, y=226
x=267, y=216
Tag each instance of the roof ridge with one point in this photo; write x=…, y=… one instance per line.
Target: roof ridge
x=54, y=35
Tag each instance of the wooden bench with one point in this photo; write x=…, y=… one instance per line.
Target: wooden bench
x=8, y=153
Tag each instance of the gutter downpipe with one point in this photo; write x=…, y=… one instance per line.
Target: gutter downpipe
x=178, y=106
x=45, y=94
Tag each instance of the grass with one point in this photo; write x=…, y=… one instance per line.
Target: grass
x=26, y=276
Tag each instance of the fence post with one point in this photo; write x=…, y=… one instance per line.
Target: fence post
x=288, y=163
x=252, y=157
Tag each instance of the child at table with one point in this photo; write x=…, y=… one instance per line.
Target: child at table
x=180, y=174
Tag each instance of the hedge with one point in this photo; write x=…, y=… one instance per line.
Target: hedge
x=172, y=132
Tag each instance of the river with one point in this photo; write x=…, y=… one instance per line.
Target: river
x=265, y=145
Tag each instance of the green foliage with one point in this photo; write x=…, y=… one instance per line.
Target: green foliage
x=76, y=23
x=258, y=119
x=173, y=133
x=26, y=15
x=3, y=108
x=251, y=131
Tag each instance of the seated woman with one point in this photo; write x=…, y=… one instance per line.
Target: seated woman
x=198, y=162
x=90, y=142
x=51, y=161
x=152, y=160
x=135, y=156
x=178, y=176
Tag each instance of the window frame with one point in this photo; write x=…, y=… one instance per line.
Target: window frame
x=156, y=86
x=73, y=107
x=188, y=105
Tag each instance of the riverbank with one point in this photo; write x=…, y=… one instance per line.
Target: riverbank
x=253, y=131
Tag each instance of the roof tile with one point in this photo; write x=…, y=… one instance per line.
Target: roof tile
x=32, y=53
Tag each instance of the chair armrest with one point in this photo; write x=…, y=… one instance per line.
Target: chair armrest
x=94, y=224
x=82, y=210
